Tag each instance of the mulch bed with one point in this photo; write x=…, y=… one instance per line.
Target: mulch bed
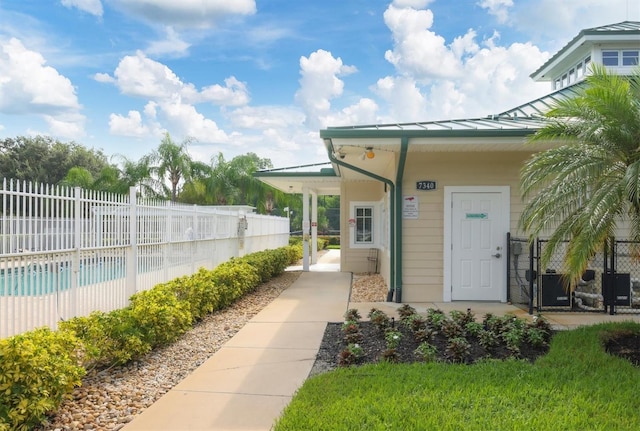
x=626, y=345
x=374, y=344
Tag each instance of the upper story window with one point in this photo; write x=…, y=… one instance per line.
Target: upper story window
x=573, y=75
x=620, y=57
x=630, y=58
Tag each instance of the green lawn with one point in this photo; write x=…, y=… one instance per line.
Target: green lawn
x=576, y=386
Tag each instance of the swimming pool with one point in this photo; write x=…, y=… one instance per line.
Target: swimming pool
x=33, y=279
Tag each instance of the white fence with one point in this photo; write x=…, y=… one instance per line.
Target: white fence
x=66, y=252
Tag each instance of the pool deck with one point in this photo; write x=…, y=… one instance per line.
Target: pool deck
x=251, y=379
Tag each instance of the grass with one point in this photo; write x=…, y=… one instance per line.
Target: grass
x=576, y=386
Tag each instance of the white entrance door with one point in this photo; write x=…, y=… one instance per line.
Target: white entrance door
x=478, y=235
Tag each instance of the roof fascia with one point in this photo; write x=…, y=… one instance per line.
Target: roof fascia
x=341, y=133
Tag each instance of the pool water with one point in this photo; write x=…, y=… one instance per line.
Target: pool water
x=35, y=279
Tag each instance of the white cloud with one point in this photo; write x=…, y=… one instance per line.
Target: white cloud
x=29, y=87
x=266, y=117
x=131, y=125
x=103, y=77
x=415, y=4
x=319, y=83
x=363, y=112
x=403, y=97
x=234, y=93
x=185, y=13
x=172, y=45
x=417, y=51
x=70, y=128
x=185, y=120
x=498, y=8
x=94, y=7
x=554, y=23
x=141, y=76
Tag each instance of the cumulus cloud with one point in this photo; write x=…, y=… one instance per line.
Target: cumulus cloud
x=403, y=97
x=172, y=45
x=29, y=86
x=440, y=80
x=94, y=7
x=185, y=13
x=363, y=112
x=319, y=83
x=419, y=52
x=139, y=76
x=498, y=8
x=131, y=125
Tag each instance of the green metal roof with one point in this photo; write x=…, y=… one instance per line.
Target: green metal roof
x=490, y=126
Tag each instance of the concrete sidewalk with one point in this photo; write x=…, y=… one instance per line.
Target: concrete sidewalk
x=247, y=383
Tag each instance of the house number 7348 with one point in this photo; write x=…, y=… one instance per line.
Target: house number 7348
x=426, y=185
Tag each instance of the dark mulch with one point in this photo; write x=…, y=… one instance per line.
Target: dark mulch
x=374, y=344
x=624, y=344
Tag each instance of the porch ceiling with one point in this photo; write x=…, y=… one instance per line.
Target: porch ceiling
x=322, y=183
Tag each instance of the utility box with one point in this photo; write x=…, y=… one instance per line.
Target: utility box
x=553, y=293
x=622, y=289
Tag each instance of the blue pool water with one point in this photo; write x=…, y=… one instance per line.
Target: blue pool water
x=34, y=279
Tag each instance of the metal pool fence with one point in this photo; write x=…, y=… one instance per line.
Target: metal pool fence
x=67, y=252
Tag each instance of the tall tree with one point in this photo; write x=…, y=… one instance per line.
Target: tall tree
x=171, y=163
x=45, y=160
x=582, y=190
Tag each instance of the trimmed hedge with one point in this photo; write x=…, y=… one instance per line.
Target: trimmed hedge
x=38, y=369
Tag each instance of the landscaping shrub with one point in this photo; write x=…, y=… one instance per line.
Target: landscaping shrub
x=108, y=339
x=38, y=370
x=159, y=315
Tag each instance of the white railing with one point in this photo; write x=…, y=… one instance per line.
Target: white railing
x=66, y=252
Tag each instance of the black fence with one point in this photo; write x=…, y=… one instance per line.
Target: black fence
x=610, y=284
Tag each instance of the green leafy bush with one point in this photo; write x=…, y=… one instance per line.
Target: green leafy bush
x=159, y=315
x=37, y=370
x=233, y=279
x=109, y=339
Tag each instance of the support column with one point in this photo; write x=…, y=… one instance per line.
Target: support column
x=305, y=229
x=314, y=227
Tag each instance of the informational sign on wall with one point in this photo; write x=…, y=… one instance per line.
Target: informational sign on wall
x=410, y=207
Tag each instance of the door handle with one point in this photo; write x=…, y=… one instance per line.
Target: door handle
x=496, y=255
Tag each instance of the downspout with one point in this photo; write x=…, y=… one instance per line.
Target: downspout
x=392, y=260
x=404, y=145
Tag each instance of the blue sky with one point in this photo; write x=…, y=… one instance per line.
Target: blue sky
x=264, y=76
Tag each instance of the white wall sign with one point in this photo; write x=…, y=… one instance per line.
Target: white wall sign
x=410, y=207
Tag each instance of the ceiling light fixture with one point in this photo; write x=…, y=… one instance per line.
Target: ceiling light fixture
x=370, y=154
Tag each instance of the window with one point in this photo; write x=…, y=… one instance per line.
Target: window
x=620, y=57
x=579, y=70
x=572, y=76
x=364, y=225
x=610, y=58
x=629, y=58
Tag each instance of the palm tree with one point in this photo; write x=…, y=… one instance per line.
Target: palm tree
x=583, y=190
x=173, y=164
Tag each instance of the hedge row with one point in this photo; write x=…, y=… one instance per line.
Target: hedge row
x=38, y=369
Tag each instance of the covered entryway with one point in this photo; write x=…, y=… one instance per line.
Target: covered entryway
x=475, y=234
x=310, y=184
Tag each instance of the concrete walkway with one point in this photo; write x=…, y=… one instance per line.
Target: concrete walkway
x=248, y=382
